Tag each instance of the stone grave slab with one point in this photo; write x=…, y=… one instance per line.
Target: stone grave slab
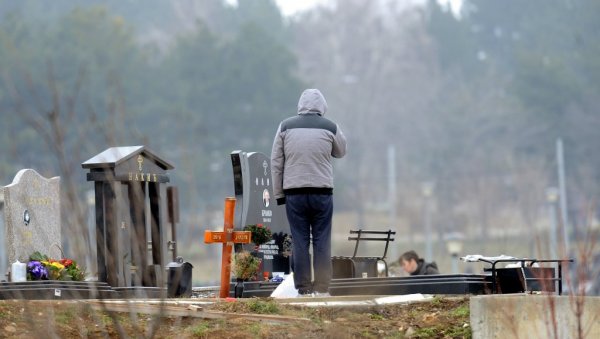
x=31, y=216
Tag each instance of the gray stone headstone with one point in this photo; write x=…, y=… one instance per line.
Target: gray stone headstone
x=31, y=216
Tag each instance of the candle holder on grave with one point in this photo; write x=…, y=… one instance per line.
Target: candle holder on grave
x=131, y=212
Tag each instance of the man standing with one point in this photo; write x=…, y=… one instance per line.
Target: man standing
x=413, y=265
x=303, y=181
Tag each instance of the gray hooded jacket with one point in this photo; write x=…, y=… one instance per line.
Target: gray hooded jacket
x=303, y=147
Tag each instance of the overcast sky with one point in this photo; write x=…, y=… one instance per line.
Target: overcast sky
x=289, y=7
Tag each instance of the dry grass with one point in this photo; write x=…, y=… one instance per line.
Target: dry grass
x=442, y=317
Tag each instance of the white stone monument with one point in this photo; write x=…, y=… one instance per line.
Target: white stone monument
x=31, y=213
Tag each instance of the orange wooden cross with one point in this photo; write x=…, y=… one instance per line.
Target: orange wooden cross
x=227, y=237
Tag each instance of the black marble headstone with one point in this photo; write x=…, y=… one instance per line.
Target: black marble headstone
x=256, y=205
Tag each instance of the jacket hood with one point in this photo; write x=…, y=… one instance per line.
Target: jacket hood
x=312, y=101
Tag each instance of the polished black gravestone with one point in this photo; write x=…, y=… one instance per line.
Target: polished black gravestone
x=129, y=191
x=256, y=205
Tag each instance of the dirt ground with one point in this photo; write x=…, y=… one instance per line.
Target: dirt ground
x=439, y=317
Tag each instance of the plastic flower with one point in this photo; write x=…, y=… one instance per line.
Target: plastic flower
x=245, y=265
x=58, y=265
x=66, y=262
x=260, y=234
x=40, y=266
x=74, y=272
x=37, y=271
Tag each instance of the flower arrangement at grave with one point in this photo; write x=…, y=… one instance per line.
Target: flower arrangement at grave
x=41, y=267
x=260, y=233
x=245, y=265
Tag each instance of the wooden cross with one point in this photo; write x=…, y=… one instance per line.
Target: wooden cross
x=227, y=237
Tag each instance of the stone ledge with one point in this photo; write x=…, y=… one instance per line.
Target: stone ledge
x=533, y=316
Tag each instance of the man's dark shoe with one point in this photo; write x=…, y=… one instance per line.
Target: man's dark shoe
x=304, y=293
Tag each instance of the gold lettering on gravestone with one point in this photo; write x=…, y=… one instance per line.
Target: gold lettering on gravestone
x=38, y=201
x=27, y=237
x=148, y=177
x=238, y=237
x=241, y=237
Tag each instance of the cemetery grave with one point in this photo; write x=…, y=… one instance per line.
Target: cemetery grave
x=136, y=247
x=31, y=218
x=355, y=275
x=31, y=222
x=135, y=215
x=125, y=179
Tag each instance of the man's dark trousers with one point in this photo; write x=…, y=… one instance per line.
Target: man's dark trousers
x=310, y=214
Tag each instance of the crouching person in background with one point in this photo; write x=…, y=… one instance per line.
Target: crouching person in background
x=413, y=265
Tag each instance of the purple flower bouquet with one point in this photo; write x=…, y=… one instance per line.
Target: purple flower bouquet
x=37, y=271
